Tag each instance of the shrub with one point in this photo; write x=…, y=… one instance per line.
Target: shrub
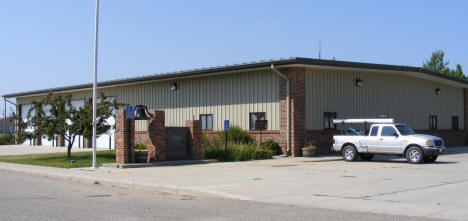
x=272, y=145
x=237, y=152
x=310, y=145
x=140, y=147
x=6, y=139
x=236, y=135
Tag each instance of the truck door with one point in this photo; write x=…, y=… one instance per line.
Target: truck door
x=372, y=141
x=389, y=143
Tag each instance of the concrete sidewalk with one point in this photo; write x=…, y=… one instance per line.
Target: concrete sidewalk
x=385, y=185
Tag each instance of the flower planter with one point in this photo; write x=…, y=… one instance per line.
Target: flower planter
x=141, y=156
x=308, y=153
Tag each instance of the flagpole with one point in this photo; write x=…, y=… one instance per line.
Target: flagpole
x=96, y=20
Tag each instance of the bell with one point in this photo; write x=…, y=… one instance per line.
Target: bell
x=140, y=112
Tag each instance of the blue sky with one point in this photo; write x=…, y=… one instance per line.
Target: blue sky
x=49, y=43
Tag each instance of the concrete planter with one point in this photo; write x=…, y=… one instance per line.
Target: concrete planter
x=141, y=156
x=306, y=152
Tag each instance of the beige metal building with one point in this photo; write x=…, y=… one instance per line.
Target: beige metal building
x=298, y=97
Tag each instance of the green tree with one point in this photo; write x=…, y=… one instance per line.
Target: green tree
x=66, y=120
x=437, y=63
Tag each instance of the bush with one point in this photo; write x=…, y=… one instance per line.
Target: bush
x=238, y=152
x=273, y=146
x=236, y=135
x=7, y=139
x=140, y=147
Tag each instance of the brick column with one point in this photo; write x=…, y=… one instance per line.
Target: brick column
x=298, y=112
x=157, y=134
x=195, y=138
x=124, y=138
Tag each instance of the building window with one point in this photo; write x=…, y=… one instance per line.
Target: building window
x=254, y=117
x=455, y=125
x=207, y=121
x=328, y=118
x=432, y=122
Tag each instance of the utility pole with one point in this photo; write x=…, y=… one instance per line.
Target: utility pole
x=96, y=20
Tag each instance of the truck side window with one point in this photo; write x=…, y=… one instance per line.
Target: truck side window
x=374, y=131
x=387, y=131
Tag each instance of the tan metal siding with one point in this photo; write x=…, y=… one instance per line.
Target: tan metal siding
x=228, y=97
x=407, y=99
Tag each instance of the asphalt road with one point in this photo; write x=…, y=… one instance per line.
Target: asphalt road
x=26, y=197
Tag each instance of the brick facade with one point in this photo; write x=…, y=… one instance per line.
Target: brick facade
x=297, y=104
x=124, y=138
x=194, y=138
x=154, y=138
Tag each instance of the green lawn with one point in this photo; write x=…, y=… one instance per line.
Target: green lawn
x=82, y=159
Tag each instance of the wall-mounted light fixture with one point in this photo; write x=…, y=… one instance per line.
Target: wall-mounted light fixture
x=358, y=82
x=173, y=86
x=438, y=91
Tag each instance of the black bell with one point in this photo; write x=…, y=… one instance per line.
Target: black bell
x=141, y=112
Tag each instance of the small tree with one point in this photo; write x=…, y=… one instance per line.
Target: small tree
x=437, y=64
x=68, y=121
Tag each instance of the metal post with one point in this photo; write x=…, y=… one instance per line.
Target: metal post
x=4, y=118
x=96, y=20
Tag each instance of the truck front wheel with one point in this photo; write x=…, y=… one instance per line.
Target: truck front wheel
x=414, y=155
x=349, y=153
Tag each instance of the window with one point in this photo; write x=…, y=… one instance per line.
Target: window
x=387, y=131
x=328, y=120
x=207, y=121
x=254, y=117
x=374, y=131
x=455, y=125
x=432, y=122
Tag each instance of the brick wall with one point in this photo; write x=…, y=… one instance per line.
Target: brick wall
x=450, y=137
x=297, y=105
x=124, y=138
x=157, y=136
x=194, y=138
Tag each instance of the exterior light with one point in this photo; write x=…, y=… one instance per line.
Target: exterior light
x=173, y=86
x=438, y=91
x=141, y=112
x=358, y=82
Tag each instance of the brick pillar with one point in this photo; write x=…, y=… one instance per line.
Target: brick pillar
x=297, y=105
x=157, y=134
x=60, y=141
x=195, y=138
x=124, y=138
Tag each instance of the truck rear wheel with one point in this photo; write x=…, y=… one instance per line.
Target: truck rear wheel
x=414, y=155
x=366, y=157
x=349, y=153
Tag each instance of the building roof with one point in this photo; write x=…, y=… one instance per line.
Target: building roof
x=245, y=66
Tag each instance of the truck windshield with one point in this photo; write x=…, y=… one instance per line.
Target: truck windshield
x=404, y=129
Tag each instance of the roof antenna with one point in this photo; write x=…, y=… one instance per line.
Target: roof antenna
x=320, y=49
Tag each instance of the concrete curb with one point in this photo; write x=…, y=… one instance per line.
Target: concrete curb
x=174, y=189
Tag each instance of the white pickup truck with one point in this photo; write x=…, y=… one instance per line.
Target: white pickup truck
x=386, y=137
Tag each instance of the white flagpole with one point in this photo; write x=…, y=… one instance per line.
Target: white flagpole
x=96, y=20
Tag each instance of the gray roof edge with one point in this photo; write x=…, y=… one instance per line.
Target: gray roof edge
x=240, y=67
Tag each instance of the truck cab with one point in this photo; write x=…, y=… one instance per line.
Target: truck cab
x=386, y=137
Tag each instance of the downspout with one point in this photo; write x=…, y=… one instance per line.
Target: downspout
x=288, y=128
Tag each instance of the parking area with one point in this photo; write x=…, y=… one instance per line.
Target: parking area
x=385, y=185
x=8, y=150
